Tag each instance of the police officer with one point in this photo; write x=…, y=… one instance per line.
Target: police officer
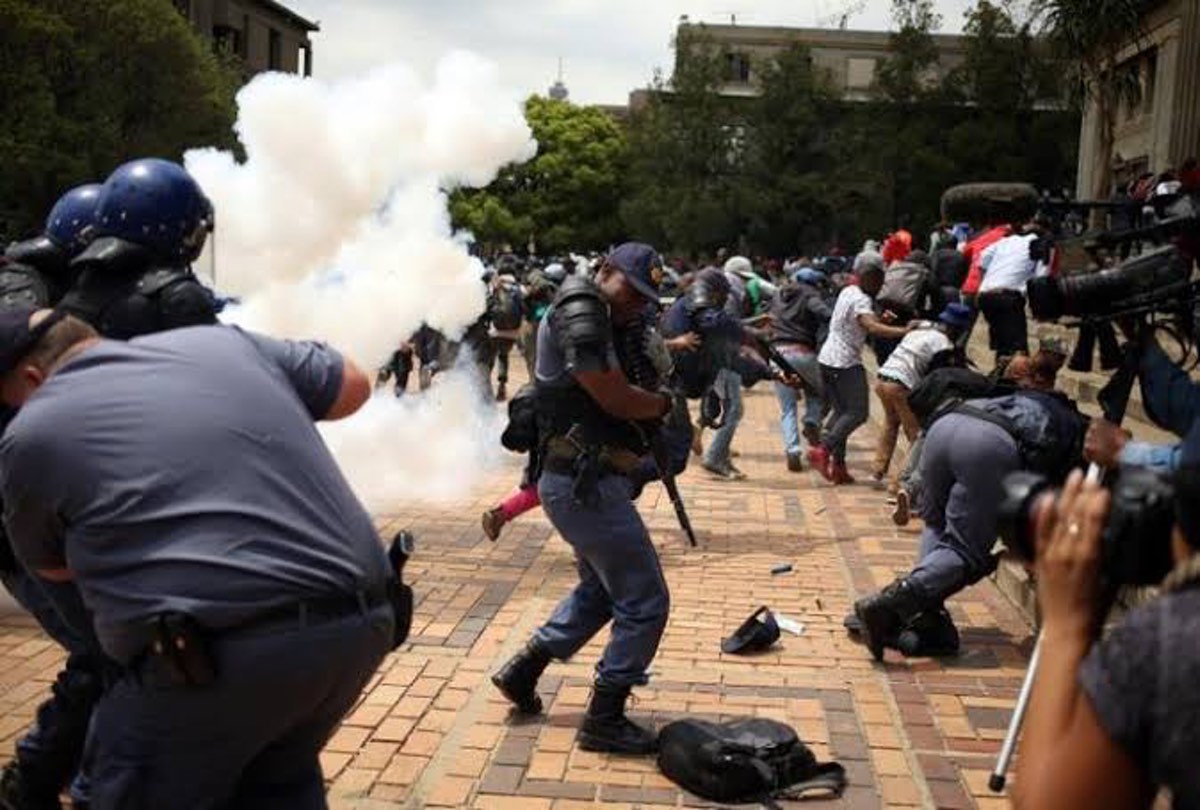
x=134, y=278
x=35, y=273
x=180, y=480
x=588, y=414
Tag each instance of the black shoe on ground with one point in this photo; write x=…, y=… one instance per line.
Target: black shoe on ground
x=726, y=471
x=607, y=730
x=901, y=515
x=16, y=794
x=886, y=613
x=517, y=680
x=932, y=634
x=852, y=624
x=794, y=463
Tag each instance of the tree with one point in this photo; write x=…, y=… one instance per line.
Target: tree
x=686, y=150
x=1089, y=36
x=565, y=198
x=902, y=78
x=90, y=84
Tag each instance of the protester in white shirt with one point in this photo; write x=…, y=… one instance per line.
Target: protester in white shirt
x=1007, y=267
x=904, y=369
x=842, y=373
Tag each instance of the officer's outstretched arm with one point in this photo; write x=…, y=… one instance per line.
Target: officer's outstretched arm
x=613, y=393
x=354, y=393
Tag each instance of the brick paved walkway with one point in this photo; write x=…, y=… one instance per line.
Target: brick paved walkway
x=431, y=731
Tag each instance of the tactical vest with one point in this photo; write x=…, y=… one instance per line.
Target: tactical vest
x=123, y=303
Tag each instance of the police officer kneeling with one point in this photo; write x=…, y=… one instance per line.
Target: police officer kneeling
x=180, y=480
x=585, y=405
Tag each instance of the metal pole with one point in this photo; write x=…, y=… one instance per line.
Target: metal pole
x=1000, y=775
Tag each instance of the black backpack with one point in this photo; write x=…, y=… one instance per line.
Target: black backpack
x=504, y=307
x=754, y=760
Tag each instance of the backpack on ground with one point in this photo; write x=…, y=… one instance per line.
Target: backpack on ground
x=754, y=760
x=505, y=308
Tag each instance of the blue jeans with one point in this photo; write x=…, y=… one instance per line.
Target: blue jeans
x=850, y=406
x=729, y=388
x=49, y=755
x=805, y=362
x=963, y=466
x=620, y=580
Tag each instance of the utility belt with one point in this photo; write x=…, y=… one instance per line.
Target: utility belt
x=179, y=651
x=564, y=455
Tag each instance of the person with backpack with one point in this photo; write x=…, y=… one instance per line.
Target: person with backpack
x=799, y=324
x=969, y=450
x=505, y=309
x=538, y=292
x=903, y=371
x=910, y=292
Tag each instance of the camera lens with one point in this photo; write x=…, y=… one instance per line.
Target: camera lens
x=1022, y=491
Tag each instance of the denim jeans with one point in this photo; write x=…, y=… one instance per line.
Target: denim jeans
x=850, y=406
x=805, y=362
x=729, y=387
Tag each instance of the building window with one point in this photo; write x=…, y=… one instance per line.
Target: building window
x=275, y=51
x=860, y=73
x=737, y=68
x=228, y=39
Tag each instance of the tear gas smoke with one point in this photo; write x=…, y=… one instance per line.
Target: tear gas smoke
x=336, y=227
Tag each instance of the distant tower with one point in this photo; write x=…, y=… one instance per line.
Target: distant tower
x=558, y=91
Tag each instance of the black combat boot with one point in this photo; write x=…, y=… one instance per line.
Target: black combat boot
x=17, y=794
x=886, y=613
x=606, y=728
x=852, y=624
x=518, y=678
x=930, y=634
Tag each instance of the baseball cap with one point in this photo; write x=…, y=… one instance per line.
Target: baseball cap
x=17, y=338
x=754, y=635
x=641, y=265
x=957, y=315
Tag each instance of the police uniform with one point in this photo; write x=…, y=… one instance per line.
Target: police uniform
x=203, y=532
x=586, y=491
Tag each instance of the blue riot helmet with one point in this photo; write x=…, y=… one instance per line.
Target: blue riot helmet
x=155, y=204
x=70, y=222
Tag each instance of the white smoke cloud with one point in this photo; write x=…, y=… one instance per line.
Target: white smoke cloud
x=336, y=227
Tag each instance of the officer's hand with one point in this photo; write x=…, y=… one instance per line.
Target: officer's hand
x=684, y=343
x=888, y=317
x=1104, y=443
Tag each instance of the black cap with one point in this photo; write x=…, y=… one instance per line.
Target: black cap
x=754, y=635
x=17, y=339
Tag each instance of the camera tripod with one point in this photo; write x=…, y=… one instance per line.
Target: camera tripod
x=1114, y=400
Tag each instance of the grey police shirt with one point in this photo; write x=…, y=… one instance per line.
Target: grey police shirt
x=1143, y=680
x=182, y=471
x=552, y=367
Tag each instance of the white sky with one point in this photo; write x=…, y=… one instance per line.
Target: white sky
x=608, y=47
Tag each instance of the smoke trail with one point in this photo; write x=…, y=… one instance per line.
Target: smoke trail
x=336, y=227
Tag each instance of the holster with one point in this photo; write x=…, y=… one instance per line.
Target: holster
x=180, y=651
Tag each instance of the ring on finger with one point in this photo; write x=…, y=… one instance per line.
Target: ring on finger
x=1073, y=530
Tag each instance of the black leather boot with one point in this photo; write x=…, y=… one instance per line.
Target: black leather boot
x=930, y=634
x=606, y=728
x=518, y=678
x=17, y=794
x=886, y=613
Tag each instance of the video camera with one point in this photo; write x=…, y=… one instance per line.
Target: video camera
x=1136, y=542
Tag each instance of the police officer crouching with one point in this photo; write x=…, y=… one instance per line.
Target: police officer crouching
x=587, y=413
x=180, y=481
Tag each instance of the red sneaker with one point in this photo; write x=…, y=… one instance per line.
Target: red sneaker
x=818, y=459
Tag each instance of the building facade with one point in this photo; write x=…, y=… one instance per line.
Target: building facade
x=264, y=33
x=1159, y=128
x=850, y=58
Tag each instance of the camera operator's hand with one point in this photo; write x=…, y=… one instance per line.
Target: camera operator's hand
x=1068, y=558
x=1104, y=443
x=684, y=344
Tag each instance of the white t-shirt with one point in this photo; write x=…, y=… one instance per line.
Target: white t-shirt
x=843, y=348
x=909, y=363
x=1007, y=264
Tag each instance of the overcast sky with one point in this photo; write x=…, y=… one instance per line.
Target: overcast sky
x=608, y=47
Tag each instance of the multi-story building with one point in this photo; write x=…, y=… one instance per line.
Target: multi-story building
x=1159, y=127
x=850, y=58
x=267, y=35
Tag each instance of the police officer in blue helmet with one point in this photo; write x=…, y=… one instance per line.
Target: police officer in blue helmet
x=135, y=278
x=588, y=410
x=36, y=273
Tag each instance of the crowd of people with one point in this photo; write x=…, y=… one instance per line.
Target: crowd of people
x=171, y=541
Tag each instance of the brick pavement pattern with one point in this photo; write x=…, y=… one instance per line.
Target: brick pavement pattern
x=430, y=730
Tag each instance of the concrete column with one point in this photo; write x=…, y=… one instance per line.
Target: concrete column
x=1185, y=126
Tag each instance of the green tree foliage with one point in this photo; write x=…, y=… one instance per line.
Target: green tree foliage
x=904, y=76
x=89, y=84
x=686, y=153
x=1088, y=36
x=567, y=197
